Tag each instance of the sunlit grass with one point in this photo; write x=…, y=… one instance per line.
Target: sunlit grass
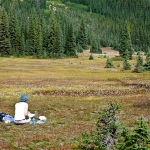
x=69, y=92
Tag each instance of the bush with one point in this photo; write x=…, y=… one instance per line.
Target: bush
x=91, y=57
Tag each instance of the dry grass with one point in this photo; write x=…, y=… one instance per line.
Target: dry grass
x=69, y=92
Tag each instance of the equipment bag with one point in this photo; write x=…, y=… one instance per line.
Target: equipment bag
x=2, y=115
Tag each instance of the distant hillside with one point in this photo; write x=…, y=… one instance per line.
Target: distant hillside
x=55, y=28
x=135, y=12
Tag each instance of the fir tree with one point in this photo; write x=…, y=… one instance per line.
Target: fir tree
x=148, y=55
x=138, y=139
x=4, y=33
x=59, y=46
x=18, y=45
x=70, y=43
x=82, y=38
x=91, y=57
x=147, y=63
x=126, y=65
x=125, y=43
x=79, y=48
x=31, y=37
x=94, y=47
x=52, y=35
x=139, y=64
x=12, y=29
x=109, y=63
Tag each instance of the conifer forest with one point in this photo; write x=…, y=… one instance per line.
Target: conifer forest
x=43, y=29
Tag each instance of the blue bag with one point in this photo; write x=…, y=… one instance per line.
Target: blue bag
x=8, y=117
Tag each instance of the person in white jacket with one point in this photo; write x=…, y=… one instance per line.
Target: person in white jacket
x=21, y=111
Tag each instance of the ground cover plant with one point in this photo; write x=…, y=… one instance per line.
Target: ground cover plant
x=69, y=92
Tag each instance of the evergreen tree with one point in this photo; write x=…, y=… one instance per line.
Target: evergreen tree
x=31, y=37
x=70, y=43
x=82, y=38
x=139, y=64
x=138, y=139
x=109, y=63
x=126, y=65
x=12, y=29
x=147, y=63
x=52, y=36
x=59, y=46
x=148, y=55
x=4, y=33
x=91, y=57
x=95, y=47
x=79, y=48
x=38, y=38
x=107, y=130
x=125, y=43
x=44, y=39
x=18, y=45
x=107, y=127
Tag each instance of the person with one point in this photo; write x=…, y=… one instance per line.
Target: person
x=21, y=111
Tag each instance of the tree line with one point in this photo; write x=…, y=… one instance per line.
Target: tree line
x=39, y=28
x=117, y=12
x=28, y=29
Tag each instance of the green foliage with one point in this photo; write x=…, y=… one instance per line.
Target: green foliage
x=96, y=20
x=126, y=65
x=148, y=55
x=107, y=130
x=139, y=64
x=109, y=63
x=70, y=43
x=125, y=44
x=146, y=66
x=79, y=48
x=4, y=33
x=91, y=57
x=95, y=47
x=117, y=59
x=138, y=139
x=82, y=38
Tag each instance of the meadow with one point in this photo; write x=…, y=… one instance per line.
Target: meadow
x=69, y=92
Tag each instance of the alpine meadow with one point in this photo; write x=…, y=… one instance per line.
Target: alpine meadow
x=85, y=66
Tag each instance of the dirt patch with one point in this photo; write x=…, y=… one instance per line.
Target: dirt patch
x=108, y=51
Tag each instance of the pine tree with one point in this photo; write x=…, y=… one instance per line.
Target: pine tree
x=79, y=48
x=91, y=57
x=138, y=139
x=4, y=33
x=18, y=48
x=94, y=47
x=107, y=127
x=52, y=36
x=82, y=37
x=148, y=55
x=147, y=63
x=125, y=43
x=139, y=64
x=59, y=46
x=31, y=37
x=12, y=29
x=38, y=38
x=109, y=63
x=70, y=43
x=126, y=65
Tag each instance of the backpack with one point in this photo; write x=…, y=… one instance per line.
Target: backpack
x=2, y=115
